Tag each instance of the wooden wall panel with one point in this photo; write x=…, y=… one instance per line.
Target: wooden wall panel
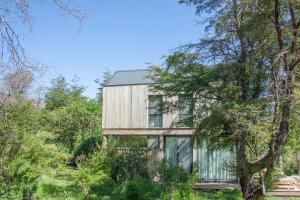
x=127, y=107
x=139, y=113
x=104, y=107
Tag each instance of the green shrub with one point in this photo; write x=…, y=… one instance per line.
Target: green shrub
x=177, y=183
x=86, y=148
x=142, y=189
x=132, y=191
x=93, y=177
x=290, y=168
x=128, y=163
x=219, y=195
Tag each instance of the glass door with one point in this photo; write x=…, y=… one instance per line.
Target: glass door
x=178, y=151
x=216, y=165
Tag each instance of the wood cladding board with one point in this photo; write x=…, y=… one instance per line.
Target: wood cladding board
x=127, y=107
x=178, y=132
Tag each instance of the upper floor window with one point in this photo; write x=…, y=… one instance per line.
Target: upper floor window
x=155, y=111
x=185, y=111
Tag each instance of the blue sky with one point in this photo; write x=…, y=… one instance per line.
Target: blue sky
x=117, y=35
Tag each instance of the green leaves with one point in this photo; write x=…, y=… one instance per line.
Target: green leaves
x=62, y=93
x=75, y=123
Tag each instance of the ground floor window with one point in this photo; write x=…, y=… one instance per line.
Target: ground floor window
x=178, y=151
x=216, y=165
x=153, y=142
x=127, y=141
x=213, y=165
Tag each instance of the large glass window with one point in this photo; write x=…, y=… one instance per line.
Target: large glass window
x=155, y=111
x=127, y=141
x=178, y=151
x=153, y=142
x=185, y=111
x=216, y=165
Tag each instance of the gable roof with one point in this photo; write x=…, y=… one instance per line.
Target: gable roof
x=130, y=77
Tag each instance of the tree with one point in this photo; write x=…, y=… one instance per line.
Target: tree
x=18, y=120
x=17, y=177
x=243, y=77
x=78, y=122
x=17, y=85
x=61, y=93
x=13, y=57
x=107, y=75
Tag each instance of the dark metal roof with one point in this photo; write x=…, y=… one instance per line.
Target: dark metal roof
x=130, y=77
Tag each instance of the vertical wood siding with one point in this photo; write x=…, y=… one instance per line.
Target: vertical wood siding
x=127, y=107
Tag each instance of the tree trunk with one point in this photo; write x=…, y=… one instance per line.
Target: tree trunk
x=244, y=183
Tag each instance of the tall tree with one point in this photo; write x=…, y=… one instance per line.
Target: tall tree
x=61, y=93
x=107, y=75
x=15, y=13
x=16, y=73
x=246, y=93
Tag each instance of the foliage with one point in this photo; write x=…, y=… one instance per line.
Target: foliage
x=128, y=163
x=75, y=123
x=220, y=194
x=61, y=93
x=290, y=166
x=21, y=174
x=31, y=140
x=242, y=77
x=107, y=75
x=93, y=177
x=142, y=189
x=18, y=166
x=58, y=183
x=177, y=183
x=85, y=148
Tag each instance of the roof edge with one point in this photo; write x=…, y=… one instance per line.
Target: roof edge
x=131, y=70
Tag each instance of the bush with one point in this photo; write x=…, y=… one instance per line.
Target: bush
x=93, y=177
x=219, y=195
x=177, y=183
x=290, y=168
x=142, y=189
x=86, y=148
x=128, y=163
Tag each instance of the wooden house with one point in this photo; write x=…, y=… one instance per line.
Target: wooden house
x=129, y=114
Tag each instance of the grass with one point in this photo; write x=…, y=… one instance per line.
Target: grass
x=282, y=198
x=58, y=184
x=219, y=194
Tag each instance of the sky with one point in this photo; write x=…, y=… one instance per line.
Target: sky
x=118, y=35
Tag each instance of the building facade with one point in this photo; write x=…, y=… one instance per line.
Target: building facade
x=131, y=113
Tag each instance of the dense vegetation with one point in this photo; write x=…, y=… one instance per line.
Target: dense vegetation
x=247, y=68
x=244, y=78
x=56, y=152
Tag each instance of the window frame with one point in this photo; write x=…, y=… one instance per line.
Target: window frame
x=181, y=123
x=176, y=137
x=159, y=110
x=157, y=138
x=130, y=141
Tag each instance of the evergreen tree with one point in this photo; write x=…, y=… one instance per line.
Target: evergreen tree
x=243, y=80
